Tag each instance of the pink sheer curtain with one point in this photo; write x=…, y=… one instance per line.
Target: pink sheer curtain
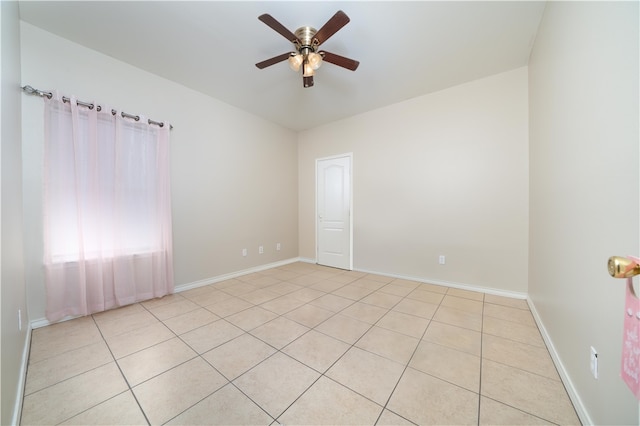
x=107, y=209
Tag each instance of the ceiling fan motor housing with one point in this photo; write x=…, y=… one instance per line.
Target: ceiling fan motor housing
x=305, y=35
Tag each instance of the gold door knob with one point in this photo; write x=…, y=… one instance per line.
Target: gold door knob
x=621, y=267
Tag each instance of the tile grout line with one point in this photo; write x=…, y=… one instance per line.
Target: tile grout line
x=198, y=355
x=419, y=340
x=287, y=355
x=333, y=314
x=247, y=332
x=389, y=309
x=409, y=360
x=115, y=361
x=229, y=381
x=507, y=365
x=66, y=352
x=551, y=422
x=322, y=374
x=299, y=337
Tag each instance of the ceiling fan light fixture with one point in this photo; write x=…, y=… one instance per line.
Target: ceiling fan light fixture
x=307, y=70
x=315, y=60
x=295, y=60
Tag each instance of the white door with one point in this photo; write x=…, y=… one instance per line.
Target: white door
x=333, y=212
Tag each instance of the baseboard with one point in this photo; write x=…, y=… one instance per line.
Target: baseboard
x=22, y=378
x=461, y=286
x=43, y=322
x=212, y=280
x=581, y=410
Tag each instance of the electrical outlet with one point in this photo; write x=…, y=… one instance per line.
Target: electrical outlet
x=244, y=252
x=261, y=250
x=441, y=260
x=594, y=362
x=278, y=247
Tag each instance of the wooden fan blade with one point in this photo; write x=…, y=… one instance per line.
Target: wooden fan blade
x=340, y=61
x=273, y=60
x=337, y=21
x=307, y=81
x=278, y=27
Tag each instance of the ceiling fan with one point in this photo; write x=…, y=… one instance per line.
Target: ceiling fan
x=306, y=41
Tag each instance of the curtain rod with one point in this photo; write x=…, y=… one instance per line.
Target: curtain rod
x=31, y=91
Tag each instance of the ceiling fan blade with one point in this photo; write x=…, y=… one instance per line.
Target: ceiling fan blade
x=278, y=27
x=273, y=60
x=337, y=21
x=307, y=81
x=340, y=61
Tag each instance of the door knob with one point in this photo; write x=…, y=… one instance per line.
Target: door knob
x=621, y=267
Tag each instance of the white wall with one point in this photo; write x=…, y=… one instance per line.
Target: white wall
x=12, y=295
x=583, y=88
x=445, y=173
x=234, y=175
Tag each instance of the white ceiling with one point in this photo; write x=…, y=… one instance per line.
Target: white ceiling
x=405, y=49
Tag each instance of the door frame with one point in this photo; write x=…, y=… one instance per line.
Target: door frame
x=348, y=155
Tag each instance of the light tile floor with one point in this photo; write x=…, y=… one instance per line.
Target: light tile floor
x=299, y=344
